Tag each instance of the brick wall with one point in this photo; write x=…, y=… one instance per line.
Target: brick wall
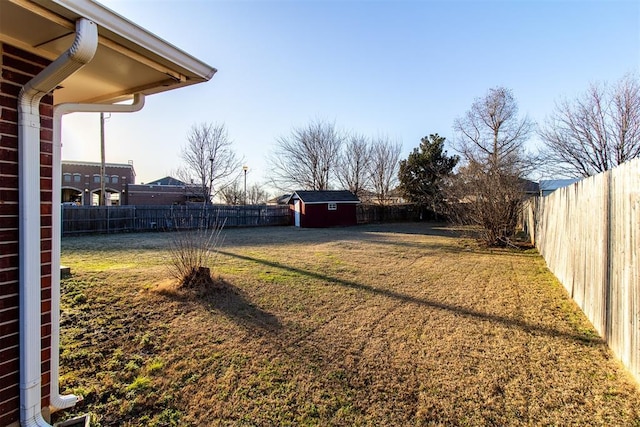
x=87, y=173
x=17, y=67
x=158, y=195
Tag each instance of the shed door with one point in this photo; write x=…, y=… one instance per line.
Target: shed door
x=296, y=209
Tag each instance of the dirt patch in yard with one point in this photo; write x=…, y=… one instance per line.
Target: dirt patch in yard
x=404, y=324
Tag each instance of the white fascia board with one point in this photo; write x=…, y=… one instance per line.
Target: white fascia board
x=334, y=201
x=110, y=20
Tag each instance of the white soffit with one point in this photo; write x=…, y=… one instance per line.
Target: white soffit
x=129, y=59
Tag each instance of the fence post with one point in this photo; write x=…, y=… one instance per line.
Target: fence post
x=607, y=256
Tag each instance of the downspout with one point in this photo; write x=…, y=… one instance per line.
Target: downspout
x=58, y=401
x=79, y=54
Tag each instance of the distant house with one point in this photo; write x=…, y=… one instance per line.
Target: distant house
x=549, y=186
x=530, y=188
x=164, y=191
x=279, y=200
x=81, y=183
x=323, y=208
x=57, y=57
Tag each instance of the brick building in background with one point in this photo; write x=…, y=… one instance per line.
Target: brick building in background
x=57, y=57
x=164, y=191
x=81, y=186
x=81, y=182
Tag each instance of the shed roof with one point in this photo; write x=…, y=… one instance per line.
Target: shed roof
x=129, y=59
x=327, y=196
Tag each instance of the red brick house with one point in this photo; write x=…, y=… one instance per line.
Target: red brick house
x=56, y=57
x=323, y=208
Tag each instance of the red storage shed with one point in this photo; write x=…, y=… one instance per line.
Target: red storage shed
x=324, y=208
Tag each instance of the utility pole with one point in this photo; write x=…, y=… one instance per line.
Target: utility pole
x=102, y=199
x=210, y=191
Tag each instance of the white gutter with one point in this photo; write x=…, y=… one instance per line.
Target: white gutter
x=58, y=401
x=80, y=53
x=122, y=27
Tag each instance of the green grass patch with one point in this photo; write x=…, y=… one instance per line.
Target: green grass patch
x=394, y=325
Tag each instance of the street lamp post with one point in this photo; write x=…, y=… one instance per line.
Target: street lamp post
x=210, y=190
x=245, y=168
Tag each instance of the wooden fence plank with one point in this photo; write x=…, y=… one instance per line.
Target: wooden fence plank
x=589, y=235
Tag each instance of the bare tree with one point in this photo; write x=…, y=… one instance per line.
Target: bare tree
x=383, y=171
x=256, y=195
x=353, y=165
x=232, y=194
x=595, y=132
x=489, y=187
x=491, y=133
x=305, y=159
x=209, y=160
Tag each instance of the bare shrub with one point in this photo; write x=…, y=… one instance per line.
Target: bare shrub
x=193, y=254
x=480, y=197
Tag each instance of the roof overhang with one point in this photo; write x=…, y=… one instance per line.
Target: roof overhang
x=295, y=196
x=129, y=59
x=338, y=202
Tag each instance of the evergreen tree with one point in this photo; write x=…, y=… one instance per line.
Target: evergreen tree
x=423, y=173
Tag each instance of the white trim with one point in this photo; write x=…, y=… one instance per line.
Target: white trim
x=77, y=56
x=339, y=202
x=112, y=21
x=296, y=215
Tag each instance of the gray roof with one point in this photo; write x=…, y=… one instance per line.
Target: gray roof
x=554, y=184
x=328, y=196
x=167, y=180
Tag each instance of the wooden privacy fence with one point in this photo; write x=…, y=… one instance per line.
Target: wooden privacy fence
x=369, y=213
x=117, y=219
x=589, y=235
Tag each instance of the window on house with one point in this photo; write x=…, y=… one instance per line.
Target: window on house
x=114, y=179
x=333, y=207
x=96, y=178
x=66, y=177
x=76, y=177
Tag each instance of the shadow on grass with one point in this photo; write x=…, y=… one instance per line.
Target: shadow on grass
x=229, y=300
x=238, y=237
x=424, y=228
x=586, y=339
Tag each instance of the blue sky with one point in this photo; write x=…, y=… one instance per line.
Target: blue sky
x=403, y=69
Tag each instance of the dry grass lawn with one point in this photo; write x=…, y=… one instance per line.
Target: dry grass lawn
x=378, y=325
